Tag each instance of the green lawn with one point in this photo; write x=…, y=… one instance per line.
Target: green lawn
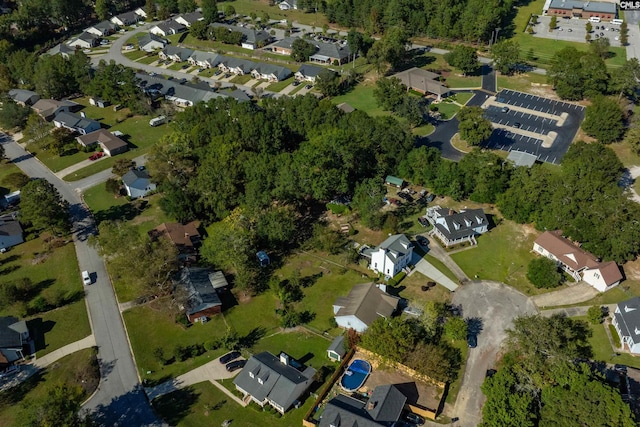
x=78, y=369
x=448, y=109
x=176, y=66
x=502, y=254
x=60, y=327
x=602, y=349
x=135, y=54
x=525, y=10
x=194, y=43
x=7, y=169
x=458, y=81
x=423, y=130
x=278, y=86
x=241, y=79
x=55, y=162
x=208, y=72
x=300, y=345
x=98, y=199
x=521, y=82
x=246, y=7
x=361, y=97
x=148, y=59
x=463, y=97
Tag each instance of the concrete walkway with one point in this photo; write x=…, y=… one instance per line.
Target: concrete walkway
x=211, y=371
x=436, y=251
x=68, y=349
x=76, y=167
x=568, y=296
x=426, y=268
x=574, y=311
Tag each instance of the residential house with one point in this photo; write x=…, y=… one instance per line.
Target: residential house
x=383, y=408
x=181, y=95
x=167, y=28
x=10, y=199
x=61, y=49
x=100, y=103
x=205, y=59
x=76, y=123
x=251, y=38
x=14, y=335
x=137, y=183
x=337, y=349
x=453, y=227
x=308, y=73
x=141, y=13
x=394, y=181
x=202, y=299
x=394, y=254
x=49, y=108
x=267, y=379
x=288, y=5
x=187, y=19
x=102, y=29
x=582, y=9
x=626, y=320
x=272, y=73
x=185, y=237
x=283, y=46
x=365, y=303
x=423, y=81
x=175, y=53
x=109, y=142
x=331, y=53
x=84, y=41
x=10, y=232
x=236, y=66
x=125, y=19
x=151, y=42
x=578, y=263
x=23, y=97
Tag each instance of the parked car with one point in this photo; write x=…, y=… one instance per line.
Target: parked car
x=104, y=42
x=233, y=366
x=200, y=70
x=184, y=67
x=295, y=83
x=472, y=341
x=422, y=240
x=226, y=76
x=505, y=109
x=414, y=418
x=217, y=73
x=431, y=198
x=517, y=125
x=229, y=357
x=423, y=222
x=86, y=279
x=308, y=87
x=128, y=47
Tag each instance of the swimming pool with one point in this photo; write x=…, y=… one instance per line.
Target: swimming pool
x=355, y=375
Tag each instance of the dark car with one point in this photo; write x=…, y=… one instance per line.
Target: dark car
x=431, y=198
x=423, y=222
x=505, y=109
x=295, y=83
x=308, y=87
x=472, y=340
x=235, y=365
x=226, y=76
x=422, y=240
x=229, y=357
x=414, y=418
x=517, y=125
x=217, y=73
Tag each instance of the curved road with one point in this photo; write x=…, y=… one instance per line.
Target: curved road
x=119, y=400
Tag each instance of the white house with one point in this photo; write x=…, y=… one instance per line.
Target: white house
x=84, y=41
x=453, y=227
x=167, y=28
x=101, y=29
x=137, y=183
x=76, y=123
x=187, y=19
x=365, y=303
x=288, y=5
x=151, y=42
x=626, y=320
x=391, y=256
x=127, y=18
x=578, y=263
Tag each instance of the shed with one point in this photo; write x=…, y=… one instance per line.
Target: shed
x=394, y=181
x=100, y=103
x=337, y=349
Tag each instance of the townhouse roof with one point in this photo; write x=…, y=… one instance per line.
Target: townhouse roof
x=181, y=52
x=73, y=120
x=251, y=35
x=628, y=318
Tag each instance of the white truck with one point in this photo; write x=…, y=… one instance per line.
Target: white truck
x=157, y=121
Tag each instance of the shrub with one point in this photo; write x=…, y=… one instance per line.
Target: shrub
x=158, y=353
x=337, y=209
x=595, y=314
x=543, y=273
x=181, y=353
x=212, y=345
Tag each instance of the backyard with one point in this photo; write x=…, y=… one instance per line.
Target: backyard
x=602, y=349
x=7, y=169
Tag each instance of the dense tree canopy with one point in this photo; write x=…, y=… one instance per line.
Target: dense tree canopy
x=301, y=50
x=464, y=58
x=474, y=127
x=543, y=273
x=576, y=74
x=604, y=120
x=43, y=208
x=506, y=56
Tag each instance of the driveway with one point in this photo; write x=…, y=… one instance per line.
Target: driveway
x=567, y=296
x=492, y=306
x=429, y=270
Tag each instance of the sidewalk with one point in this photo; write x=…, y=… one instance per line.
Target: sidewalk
x=574, y=311
x=64, y=172
x=68, y=349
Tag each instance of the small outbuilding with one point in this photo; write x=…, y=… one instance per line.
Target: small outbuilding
x=394, y=181
x=337, y=349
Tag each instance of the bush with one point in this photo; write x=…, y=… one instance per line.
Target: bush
x=544, y=273
x=181, y=353
x=158, y=353
x=212, y=345
x=337, y=209
x=595, y=314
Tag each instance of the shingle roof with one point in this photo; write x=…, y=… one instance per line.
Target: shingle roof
x=87, y=37
x=628, y=319
x=396, y=246
x=338, y=346
x=179, y=234
x=213, y=59
x=150, y=37
x=21, y=95
x=566, y=252
x=308, y=70
x=46, y=107
x=101, y=136
x=366, y=302
x=180, y=52
x=422, y=80
x=73, y=120
x=136, y=179
x=10, y=226
x=10, y=330
x=250, y=35
x=332, y=50
x=460, y=224
x=173, y=88
x=190, y=17
x=382, y=409
x=104, y=25
x=170, y=26
x=128, y=17
x=201, y=293
x=61, y=49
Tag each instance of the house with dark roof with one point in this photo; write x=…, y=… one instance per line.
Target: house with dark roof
x=14, y=335
x=270, y=72
x=23, y=97
x=102, y=29
x=288, y=5
x=626, y=320
x=151, y=42
x=167, y=28
x=383, y=408
x=49, y=108
x=181, y=95
x=331, y=53
x=187, y=19
x=270, y=380
x=84, y=41
x=251, y=38
x=453, y=227
x=583, y=9
x=185, y=237
x=308, y=72
x=578, y=263
x=337, y=349
x=205, y=59
x=137, y=183
x=423, y=81
x=202, y=299
x=61, y=49
x=126, y=18
x=75, y=123
x=11, y=233
x=394, y=254
x=109, y=142
x=365, y=303
x=175, y=53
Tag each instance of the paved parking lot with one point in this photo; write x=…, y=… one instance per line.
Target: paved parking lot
x=574, y=30
x=521, y=120
x=536, y=103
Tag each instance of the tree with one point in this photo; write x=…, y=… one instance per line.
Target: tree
x=36, y=129
x=368, y=200
x=390, y=93
x=126, y=92
x=474, y=127
x=600, y=47
x=199, y=30
x=112, y=186
x=431, y=319
x=229, y=10
x=543, y=273
x=438, y=362
x=595, y=314
x=102, y=9
x=507, y=403
x=390, y=49
x=455, y=328
x=553, y=23
x=328, y=83
x=588, y=27
x=59, y=407
x=122, y=166
x=150, y=9
x=60, y=141
x=625, y=79
x=301, y=50
x=264, y=19
x=604, y=120
x=187, y=6
x=464, y=58
x=209, y=11
x=13, y=115
x=624, y=34
x=392, y=339
x=506, y=56
x=412, y=109
x=43, y=208
x=355, y=40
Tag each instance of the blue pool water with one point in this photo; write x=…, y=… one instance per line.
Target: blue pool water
x=355, y=375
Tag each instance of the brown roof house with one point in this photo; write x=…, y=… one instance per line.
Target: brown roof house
x=49, y=108
x=423, y=81
x=185, y=237
x=109, y=142
x=201, y=286
x=365, y=303
x=578, y=263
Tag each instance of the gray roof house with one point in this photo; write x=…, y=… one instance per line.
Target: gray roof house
x=394, y=254
x=102, y=29
x=453, y=227
x=205, y=59
x=84, y=41
x=328, y=53
x=251, y=39
x=137, y=183
x=14, y=334
x=10, y=232
x=288, y=4
x=626, y=320
x=423, y=81
x=23, y=97
x=167, y=28
x=49, y=108
x=175, y=53
x=187, y=19
x=272, y=380
x=337, y=349
x=308, y=72
x=75, y=123
x=127, y=18
x=61, y=49
x=272, y=73
x=383, y=408
x=109, y=142
x=182, y=95
x=202, y=300
x=151, y=42
x=365, y=303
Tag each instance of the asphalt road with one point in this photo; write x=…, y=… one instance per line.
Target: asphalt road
x=120, y=399
x=633, y=48
x=490, y=308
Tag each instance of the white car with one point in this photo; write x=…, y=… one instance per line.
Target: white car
x=86, y=279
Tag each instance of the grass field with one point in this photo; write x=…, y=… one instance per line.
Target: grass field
x=458, y=81
x=423, y=130
x=57, y=163
x=361, y=97
x=246, y=7
x=463, y=97
x=521, y=82
x=447, y=109
x=300, y=345
x=60, y=327
x=76, y=370
x=98, y=199
x=602, y=349
x=278, y=86
x=135, y=54
x=241, y=79
x=7, y=169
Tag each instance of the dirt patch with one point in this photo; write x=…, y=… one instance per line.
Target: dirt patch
x=632, y=270
x=544, y=91
x=528, y=230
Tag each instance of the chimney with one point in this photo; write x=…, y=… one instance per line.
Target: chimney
x=284, y=358
x=451, y=212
